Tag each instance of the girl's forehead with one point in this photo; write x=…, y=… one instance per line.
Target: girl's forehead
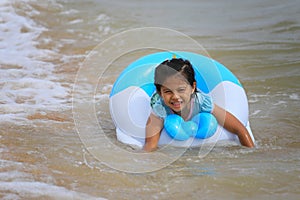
x=175, y=80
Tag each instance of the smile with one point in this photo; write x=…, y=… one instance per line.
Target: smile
x=176, y=104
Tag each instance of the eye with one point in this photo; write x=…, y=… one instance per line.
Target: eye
x=181, y=90
x=166, y=91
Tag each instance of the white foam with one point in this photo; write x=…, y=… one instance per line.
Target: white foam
x=294, y=96
x=27, y=95
x=14, y=175
x=26, y=189
x=76, y=21
x=70, y=12
x=16, y=184
x=256, y=112
x=17, y=38
x=26, y=80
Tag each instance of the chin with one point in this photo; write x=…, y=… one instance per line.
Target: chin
x=177, y=110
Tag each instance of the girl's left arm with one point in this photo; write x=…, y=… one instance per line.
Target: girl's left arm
x=232, y=124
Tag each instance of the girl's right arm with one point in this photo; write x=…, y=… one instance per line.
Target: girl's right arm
x=153, y=131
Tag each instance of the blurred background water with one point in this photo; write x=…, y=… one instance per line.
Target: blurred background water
x=43, y=44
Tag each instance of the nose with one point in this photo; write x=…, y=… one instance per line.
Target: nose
x=175, y=96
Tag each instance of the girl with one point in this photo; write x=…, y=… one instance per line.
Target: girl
x=176, y=92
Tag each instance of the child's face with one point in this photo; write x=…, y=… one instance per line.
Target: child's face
x=176, y=93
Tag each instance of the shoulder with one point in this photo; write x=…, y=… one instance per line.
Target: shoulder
x=205, y=102
x=155, y=98
x=157, y=105
x=202, y=97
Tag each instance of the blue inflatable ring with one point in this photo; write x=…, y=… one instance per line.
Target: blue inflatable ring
x=130, y=98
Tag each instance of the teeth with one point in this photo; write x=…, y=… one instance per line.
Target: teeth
x=176, y=103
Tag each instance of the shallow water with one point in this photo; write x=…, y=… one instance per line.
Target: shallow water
x=43, y=44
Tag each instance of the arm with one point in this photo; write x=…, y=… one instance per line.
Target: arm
x=153, y=131
x=232, y=124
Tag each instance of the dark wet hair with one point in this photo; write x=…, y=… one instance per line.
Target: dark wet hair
x=171, y=67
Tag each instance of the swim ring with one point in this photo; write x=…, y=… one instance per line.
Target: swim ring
x=129, y=99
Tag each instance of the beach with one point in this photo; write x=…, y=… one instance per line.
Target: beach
x=43, y=46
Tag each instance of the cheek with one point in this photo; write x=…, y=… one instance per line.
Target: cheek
x=165, y=97
x=187, y=96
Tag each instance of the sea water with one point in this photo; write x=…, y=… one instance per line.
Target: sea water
x=43, y=44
